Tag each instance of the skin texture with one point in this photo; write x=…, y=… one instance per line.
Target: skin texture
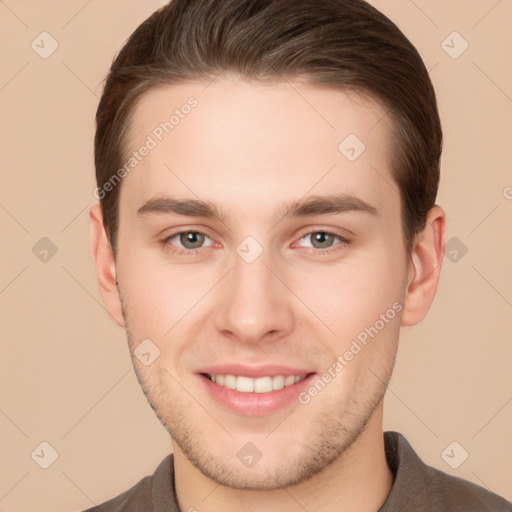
x=250, y=148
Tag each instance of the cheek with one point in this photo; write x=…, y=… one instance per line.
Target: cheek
x=157, y=294
x=352, y=295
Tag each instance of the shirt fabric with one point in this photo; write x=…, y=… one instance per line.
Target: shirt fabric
x=416, y=488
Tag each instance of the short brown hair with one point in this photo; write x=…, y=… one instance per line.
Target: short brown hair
x=346, y=44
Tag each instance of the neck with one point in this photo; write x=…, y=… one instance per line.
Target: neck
x=359, y=479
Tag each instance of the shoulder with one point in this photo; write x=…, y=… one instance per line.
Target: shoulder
x=464, y=495
x=418, y=486
x=153, y=492
x=129, y=500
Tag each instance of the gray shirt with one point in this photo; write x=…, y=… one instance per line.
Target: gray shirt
x=416, y=488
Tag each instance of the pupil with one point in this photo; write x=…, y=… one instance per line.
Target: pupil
x=191, y=240
x=323, y=239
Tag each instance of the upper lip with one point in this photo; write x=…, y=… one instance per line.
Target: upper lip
x=267, y=370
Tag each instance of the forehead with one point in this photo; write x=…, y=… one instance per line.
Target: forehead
x=249, y=144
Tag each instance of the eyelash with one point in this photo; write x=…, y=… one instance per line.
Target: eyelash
x=343, y=242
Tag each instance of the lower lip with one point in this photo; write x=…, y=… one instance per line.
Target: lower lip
x=255, y=404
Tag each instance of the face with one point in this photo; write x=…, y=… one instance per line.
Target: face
x=259, y=251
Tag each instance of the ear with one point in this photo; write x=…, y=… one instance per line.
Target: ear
x=104, y=262
x=424, y=268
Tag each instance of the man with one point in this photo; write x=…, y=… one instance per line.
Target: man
x=267, y=173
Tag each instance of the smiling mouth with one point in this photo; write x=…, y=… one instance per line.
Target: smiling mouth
x=259, y=385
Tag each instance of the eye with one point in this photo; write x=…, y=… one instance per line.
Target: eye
x=189, y=242
x=321, y=240
x=186, y=241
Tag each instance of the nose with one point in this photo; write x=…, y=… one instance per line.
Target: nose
x=254, y=304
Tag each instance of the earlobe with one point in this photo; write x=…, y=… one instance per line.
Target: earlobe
x=105, y=265
x=424, y=268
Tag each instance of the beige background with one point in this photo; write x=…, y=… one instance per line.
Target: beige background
x=66, y=375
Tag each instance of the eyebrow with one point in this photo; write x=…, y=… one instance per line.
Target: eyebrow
x=305, y=207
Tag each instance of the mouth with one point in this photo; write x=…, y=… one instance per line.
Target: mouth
x=250, y=392
x=265, y=384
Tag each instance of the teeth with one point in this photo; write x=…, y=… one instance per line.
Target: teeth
x=263, y=385
x=230, y=381
x=277, y=382
x=288, y=381
x=259, y=385
x=244, y=384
